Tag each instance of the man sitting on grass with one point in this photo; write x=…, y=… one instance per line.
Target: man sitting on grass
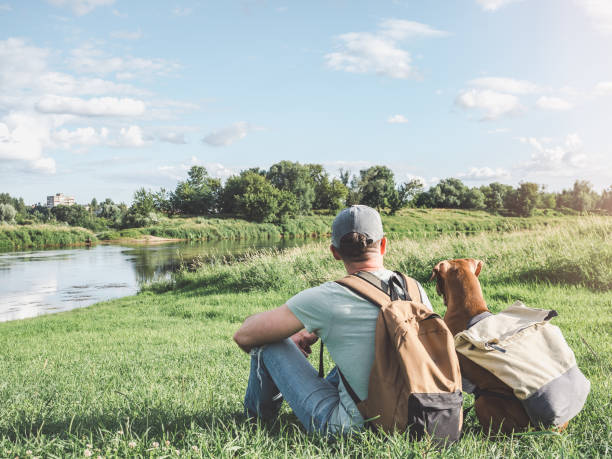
x=279, y=340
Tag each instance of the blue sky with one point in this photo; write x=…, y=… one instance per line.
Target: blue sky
x=100, y=97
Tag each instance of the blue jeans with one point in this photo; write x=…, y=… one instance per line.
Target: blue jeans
x=281, y=367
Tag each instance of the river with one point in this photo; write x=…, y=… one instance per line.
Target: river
x=39, y=282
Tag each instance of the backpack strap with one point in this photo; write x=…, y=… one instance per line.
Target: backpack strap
x=379, y=293
x=365, y=289
x=412, y=287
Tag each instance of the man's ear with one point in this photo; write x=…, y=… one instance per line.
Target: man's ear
x=335, y=252
x=383, y=245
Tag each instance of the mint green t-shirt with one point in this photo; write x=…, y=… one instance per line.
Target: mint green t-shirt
x=346, y=323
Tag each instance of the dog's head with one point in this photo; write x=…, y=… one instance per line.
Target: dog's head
x=449, y=269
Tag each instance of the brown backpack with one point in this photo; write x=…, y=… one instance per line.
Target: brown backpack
x=415, y=381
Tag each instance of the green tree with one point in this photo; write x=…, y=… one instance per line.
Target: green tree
x=93, y=206
x=605, y=202
x=17, y=203
x=523, y=200
x=198, y=195
x=7, y=213
x=143, y=202
x=404, y=195
x=494, y=195
x=581, y=197
x=76, y=215
x=449, y=193
x=111, y=212
x=329, y=194
x=376, y=186
x=257, y=200
x=251, y=195
x=294, y=178
x=473, y=199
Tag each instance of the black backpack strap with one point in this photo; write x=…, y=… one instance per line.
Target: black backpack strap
x=348, y=387
x=396, y=283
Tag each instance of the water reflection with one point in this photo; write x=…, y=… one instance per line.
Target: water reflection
x=46, y=281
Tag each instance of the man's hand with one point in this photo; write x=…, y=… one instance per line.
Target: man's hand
x=303, y=340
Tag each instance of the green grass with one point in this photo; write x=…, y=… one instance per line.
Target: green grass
x=408, y=222
x=38, y=236
x=161, y=366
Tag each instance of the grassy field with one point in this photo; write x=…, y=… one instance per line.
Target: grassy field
x=408, y=222
x=38, y=236
x=157, y=373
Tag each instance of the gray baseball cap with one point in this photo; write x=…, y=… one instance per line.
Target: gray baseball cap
x=357, y=219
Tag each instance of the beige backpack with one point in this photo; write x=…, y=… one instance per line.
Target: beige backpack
x=415, y=380
x=522, y=348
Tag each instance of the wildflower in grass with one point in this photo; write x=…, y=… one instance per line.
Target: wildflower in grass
x=89, y=445
x=87, y=453
x=194, y=447
x=120, y=432
x=132, y=444
x=29, y=452
x=167, y=442
x=155, y=444
x=178, y=452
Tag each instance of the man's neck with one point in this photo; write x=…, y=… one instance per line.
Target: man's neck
x=371, y=264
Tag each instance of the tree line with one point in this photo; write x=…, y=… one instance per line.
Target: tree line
x=288, y=189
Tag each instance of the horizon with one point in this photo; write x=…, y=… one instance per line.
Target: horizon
x=101, y=97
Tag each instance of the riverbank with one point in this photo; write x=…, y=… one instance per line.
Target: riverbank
x=38, y=236
x=158, y=372
x=407, y=223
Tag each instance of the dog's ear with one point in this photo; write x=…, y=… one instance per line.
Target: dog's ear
x=479, y=265
x=440, y=268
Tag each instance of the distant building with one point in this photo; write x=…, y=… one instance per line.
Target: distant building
x=59, y=199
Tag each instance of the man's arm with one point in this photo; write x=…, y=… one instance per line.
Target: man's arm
x=267, y=327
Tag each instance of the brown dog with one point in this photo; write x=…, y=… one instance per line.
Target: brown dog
x=457, y=282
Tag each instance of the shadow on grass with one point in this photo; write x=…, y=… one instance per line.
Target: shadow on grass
x=156, y=423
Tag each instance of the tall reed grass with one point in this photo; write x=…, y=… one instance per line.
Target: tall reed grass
x=409, y=222
x=574, y=253
x=38, y=236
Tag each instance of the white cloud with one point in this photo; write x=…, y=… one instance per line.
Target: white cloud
x=397, y=119
x=564, y=159
x=89, y=59
x=604, y=88
x=600, y=13
x=178, y=11
x=507, y=85
x=553, y=103
x=131, y=137
x=477, y=174
x=380, y=53
x=399, y=29
x=5, y=7
x=497, y=130
x=228, y=135
x=80, y=137
x=23, y=138
x=20, y=63
x=173, y=137
x=493, y=104
x=126, y=34
x=179, y=172
x=102, y=106
x=81, y=7
x=493, y=5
